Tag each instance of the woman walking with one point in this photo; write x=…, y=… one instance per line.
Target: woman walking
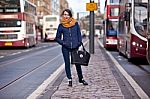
x=69, y=36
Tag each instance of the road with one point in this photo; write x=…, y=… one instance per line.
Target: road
x=23, y=70
x=139, y=70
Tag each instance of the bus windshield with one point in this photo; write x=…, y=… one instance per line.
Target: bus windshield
x=140, y=18
x=10, y=23
x=114, y=1
x=9, y=6
x=112, y=28
x=51, y=19
x=114, y=11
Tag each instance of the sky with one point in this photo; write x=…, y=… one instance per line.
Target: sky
x=80, y=5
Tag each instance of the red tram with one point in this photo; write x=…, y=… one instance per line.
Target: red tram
x=132, y=40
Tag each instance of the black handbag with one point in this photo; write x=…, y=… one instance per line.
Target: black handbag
x=80, y=57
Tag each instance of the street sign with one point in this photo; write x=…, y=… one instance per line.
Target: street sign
x=91, y=6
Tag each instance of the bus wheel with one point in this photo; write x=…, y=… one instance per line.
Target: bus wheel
x=34, y=45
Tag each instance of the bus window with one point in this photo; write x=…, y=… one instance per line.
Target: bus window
x=114, y=1
x=111, y=32
x=139, y=19
x=53, y=19
x=10, y=23
x=112, y=28
x=9, y=6
x=149, y=17
x=114, y=11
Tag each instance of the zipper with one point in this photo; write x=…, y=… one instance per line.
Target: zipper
x=70, y=37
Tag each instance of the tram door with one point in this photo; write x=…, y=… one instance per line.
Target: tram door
x=148, y=32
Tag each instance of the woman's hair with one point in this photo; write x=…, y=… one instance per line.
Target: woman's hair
x=69, y=12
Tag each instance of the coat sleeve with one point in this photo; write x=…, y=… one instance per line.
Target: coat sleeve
x=79, y=33
x=59, y=35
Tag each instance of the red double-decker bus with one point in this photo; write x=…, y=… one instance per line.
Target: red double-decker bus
x=133, y=17
x=17, y=23
x=110, y=23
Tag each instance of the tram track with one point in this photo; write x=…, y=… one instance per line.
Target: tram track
x=29, y=72
x=25, y=72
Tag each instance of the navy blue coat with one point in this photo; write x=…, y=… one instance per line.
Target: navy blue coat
x=69, y=37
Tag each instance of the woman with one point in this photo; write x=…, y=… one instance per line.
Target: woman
x=71, y=40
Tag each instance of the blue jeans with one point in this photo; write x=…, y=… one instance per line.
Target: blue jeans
x=66, y=55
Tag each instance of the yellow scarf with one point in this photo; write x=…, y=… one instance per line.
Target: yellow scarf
x=68, y=22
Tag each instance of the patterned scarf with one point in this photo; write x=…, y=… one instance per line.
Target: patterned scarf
x=68, y=22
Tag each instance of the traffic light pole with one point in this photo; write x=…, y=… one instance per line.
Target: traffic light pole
x=91, y=27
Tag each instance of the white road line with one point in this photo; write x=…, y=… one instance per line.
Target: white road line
x=48, y=81
x=135, y=86
x=1, y=56
x=26, y=51
x=14, y=53
x=44, y=46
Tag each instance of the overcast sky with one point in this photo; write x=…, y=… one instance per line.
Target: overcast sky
x=80, y=5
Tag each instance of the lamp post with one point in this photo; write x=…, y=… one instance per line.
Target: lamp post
x=91, y=27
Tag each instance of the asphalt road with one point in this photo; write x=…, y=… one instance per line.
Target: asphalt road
x=23, y=70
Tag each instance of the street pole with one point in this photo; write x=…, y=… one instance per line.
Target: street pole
x=91, y=27
x=78, y=16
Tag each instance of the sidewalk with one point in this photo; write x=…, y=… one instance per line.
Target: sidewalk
x=102, y=83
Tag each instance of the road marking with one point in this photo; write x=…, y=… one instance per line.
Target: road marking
x=27, y=50
x=44, y=46
x=51, y=79
x=15, y=53
x=1, y=56
x=135, y=86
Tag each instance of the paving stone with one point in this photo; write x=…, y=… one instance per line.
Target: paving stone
x=102, y=83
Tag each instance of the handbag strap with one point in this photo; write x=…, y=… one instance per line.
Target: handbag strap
x=83, y=46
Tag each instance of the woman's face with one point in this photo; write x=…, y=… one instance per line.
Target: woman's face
x=66, y=15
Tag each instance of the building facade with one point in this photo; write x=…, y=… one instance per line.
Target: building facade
x=63, y=5
x=49, y=7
